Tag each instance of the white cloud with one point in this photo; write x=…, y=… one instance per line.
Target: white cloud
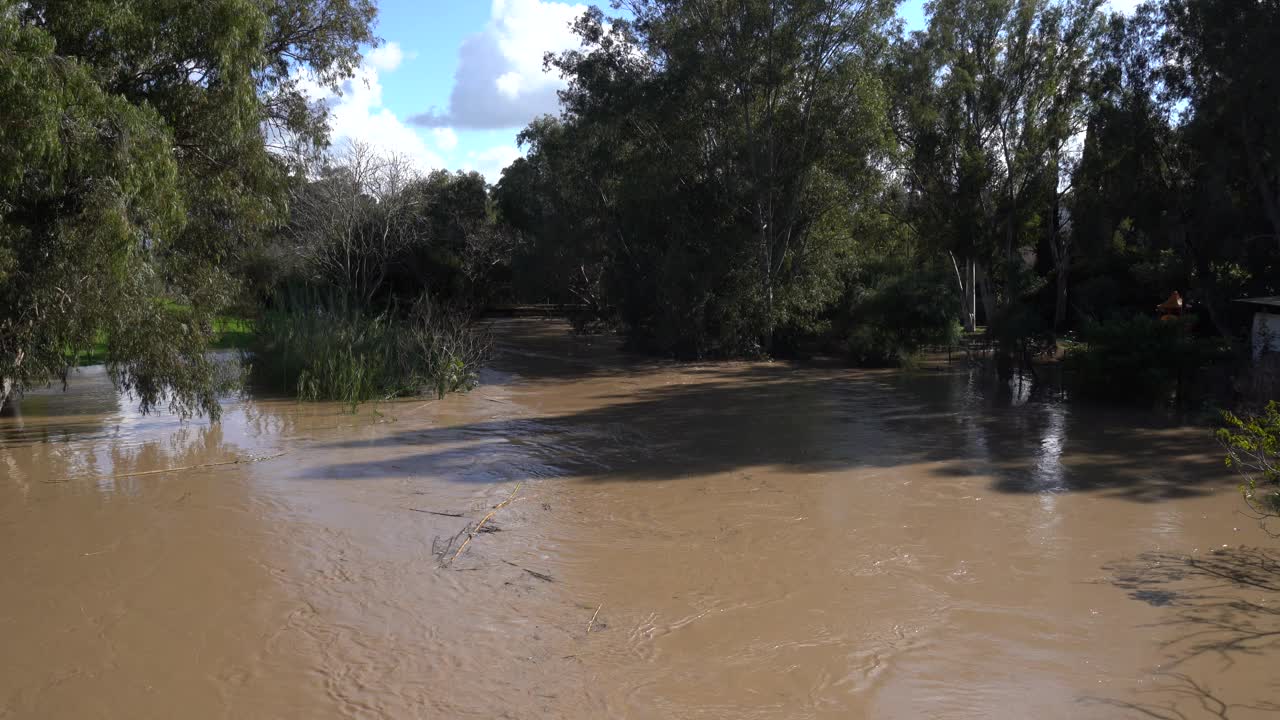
x=491, y=162
x=358, y=114
x=500, y=82
x=387, y=57
x=446, y=138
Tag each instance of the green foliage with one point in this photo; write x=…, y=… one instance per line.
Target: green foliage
x=1220, y=54
x=1140, y=359
x=134, y=169
x=987, y=101
x=232, y=333
x=368, y=225
x=696, y=187
x=1177, y=187
x=441, y=350
x=892, y=311
x=1253, y=448
x=320, y=346
x=458, y=250
x=367, y=237
x=229, y=333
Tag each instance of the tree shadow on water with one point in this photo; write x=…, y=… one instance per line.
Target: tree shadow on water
x=664, y=422
x=748, y=416
x=1217, y=608
x=1222, y=602
x=1184, y=698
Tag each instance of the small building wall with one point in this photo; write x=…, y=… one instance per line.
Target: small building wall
x=1266, y=334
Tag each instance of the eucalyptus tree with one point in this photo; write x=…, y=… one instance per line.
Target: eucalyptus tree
x=1221, y=61
x=458, y=241
x=1131, y=185
x=1179, y=183
x=1217, y=69
x=563, y=199
x=990, y=105
x=134, y=168
x=722, y=143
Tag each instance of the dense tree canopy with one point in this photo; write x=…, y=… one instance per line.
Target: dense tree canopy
x=726, y=178
x=989, y=99
x=707, y=164
x=135, y=168
x=1181, y=165
x=374, y=228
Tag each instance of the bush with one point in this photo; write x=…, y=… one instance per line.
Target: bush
x=892, y=311
x=1140, y=359
x=1253, y=448
x=318, y=347
x=440, y=350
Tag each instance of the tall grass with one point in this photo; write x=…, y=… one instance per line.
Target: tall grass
x=319, y=346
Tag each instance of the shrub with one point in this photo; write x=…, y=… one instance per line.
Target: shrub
x=321, y=347
x=1139, y=359
x=1253, y=448
x=440, y=350
x=892, y=311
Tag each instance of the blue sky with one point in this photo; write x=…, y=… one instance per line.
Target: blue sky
x=456, y=80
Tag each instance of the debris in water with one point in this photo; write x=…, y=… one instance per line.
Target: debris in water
x=541, y=576
x=471, y=532
x=436, y=512
x=238, y=461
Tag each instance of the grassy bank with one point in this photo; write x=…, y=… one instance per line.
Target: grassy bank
x=231, y=333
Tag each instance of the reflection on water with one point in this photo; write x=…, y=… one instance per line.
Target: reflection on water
x=89, y=435
x=724, y=541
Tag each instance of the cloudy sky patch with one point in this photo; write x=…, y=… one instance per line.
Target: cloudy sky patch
x=500, y=81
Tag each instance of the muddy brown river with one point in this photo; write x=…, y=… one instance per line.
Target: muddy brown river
x=744, y=540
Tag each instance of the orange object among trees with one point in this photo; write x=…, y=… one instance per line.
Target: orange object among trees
x=1171, y=309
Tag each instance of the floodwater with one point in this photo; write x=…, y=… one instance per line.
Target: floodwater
x=744, y=540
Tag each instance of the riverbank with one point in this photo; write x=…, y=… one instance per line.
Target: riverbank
x=745, y=540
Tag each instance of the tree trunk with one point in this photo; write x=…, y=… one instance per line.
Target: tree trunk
x=1269, y=195
x=1062, y=264
x=972, y=305
x=1060, y=308
x=766, y=262
x=988, y=294
x=8, y=385
x=1208, y=282
x=966, y=283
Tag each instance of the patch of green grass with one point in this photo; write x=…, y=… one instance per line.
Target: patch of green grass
x=230, y=333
